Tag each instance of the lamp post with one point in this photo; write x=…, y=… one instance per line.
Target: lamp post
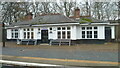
x=3, y=34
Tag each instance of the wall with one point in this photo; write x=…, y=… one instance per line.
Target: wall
x=73, y=32
x=36, y=34
x=8, y=33
x=101, y=32
x=76, y=32
x=52, y=35
x=113, y=32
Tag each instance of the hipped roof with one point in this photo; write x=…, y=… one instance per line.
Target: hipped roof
x=87, y=17
x=56, y=19
x=47, y=19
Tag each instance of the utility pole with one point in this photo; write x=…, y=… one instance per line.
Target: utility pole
x=3, y=34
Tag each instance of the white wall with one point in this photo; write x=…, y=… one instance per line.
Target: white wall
x=21, y=36
x=73, y=32
x=36, y=34
x=8, y=33
x=78, y=32
x=101, y=32
x=52, y=35
x=113, y=32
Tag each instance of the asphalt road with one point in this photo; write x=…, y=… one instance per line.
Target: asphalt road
x=62, y=53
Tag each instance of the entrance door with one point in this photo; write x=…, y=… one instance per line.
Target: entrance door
x=44, y=36
x=107, y=33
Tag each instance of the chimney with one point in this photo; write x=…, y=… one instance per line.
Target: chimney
x=77, y=13
x=29, y=16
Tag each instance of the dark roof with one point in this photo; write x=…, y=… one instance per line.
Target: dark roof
x=47, y=19
x=114, y=21
x=81, y=19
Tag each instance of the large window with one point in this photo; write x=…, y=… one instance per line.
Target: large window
x=28, y=33
x=15, y=33
x=89, y=32
x=63, y=32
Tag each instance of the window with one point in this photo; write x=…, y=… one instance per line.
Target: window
x=95, y=34
x=89, y=28
x=31, y=29
x=59, y=35
x=83, y=28
x=50, y=28
x=24, y=35
x=32, y=35
x=63, y=28
x=28, y=33
x=68, y=28
x=28, y=29
x=89, y=32
x=83, y=34
x=38, y=29
x=68, y=34
x=14, y=33
x=64, y=32
x=58, y=28
x=24, y=29
x=95, y=27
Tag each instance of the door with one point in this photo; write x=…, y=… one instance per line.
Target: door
x=107, y=33
x=44, y=36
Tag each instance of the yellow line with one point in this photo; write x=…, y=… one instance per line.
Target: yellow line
x=65, y=60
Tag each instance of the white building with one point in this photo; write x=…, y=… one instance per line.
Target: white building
x=80, y=29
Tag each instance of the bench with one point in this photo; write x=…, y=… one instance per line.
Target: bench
x=26, y=41
x=60, y=42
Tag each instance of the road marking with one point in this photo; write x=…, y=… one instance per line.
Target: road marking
x=27, y=64
x=64, y=60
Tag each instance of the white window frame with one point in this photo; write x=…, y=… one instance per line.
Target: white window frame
x=61, y=31
x=28, y=31
x=89, y=30
x=13, y=33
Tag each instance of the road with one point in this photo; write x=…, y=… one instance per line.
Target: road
x=62, y=53
x=96, y=54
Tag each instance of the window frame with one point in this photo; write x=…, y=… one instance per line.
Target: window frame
x=65, y=30
x=14, y=33
x=29, y=31
x=89, y=32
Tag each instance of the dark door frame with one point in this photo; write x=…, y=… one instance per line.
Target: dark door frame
x=44, y=36
x=108, y=33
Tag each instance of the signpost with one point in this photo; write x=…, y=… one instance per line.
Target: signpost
x=2, y=34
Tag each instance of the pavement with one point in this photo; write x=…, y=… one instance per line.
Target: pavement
x=77, y=55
